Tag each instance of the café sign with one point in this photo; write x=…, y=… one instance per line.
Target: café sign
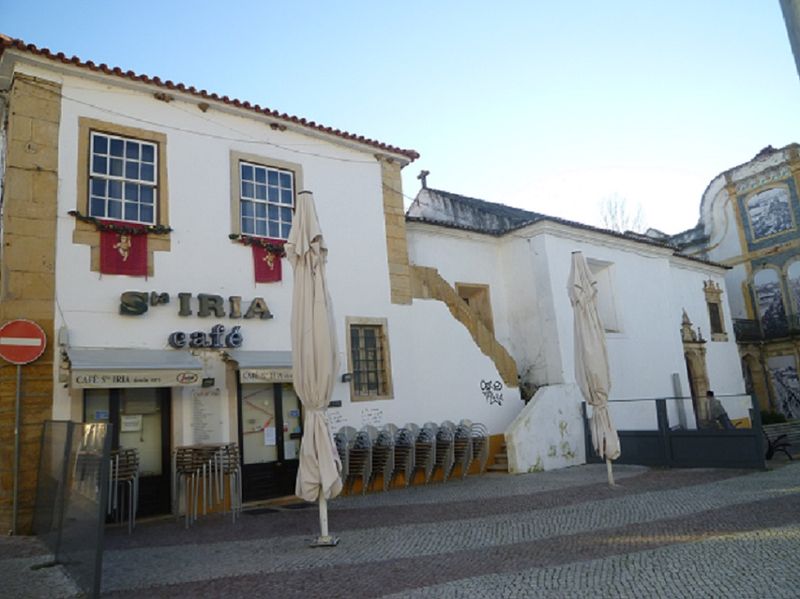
x=265, y=375
x=136, y=303
x=103, y=379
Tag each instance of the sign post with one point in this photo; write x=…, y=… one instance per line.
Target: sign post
x=21, y=342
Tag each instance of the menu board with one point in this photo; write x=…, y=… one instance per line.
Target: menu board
x=206, y=426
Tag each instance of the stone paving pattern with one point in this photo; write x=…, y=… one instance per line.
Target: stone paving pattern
x=661, y=533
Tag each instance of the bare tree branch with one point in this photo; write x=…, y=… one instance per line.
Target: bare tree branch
x=616, y=214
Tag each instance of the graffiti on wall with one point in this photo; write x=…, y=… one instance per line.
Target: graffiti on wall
x=492, y=392
x=371, y=417
x=336, y=420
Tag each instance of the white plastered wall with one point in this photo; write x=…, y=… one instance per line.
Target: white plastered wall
x=436, y=368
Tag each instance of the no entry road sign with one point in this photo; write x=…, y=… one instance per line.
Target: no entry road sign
x=21, y=341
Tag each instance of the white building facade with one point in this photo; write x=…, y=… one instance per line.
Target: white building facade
x=109, y=172
x=142, y=227
x=644, y=289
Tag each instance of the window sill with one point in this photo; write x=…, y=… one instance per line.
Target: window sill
x=359, y=398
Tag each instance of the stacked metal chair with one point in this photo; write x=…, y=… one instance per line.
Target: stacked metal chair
x=226, y=464
x=199, y=475
x=382, y=455
x=185, y=482
x=424, y=449
x=123, y=486
x=404, y=453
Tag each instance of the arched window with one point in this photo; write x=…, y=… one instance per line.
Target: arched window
x=769, y=300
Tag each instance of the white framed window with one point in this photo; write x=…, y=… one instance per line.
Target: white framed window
x=266, y=200
x=123, y=178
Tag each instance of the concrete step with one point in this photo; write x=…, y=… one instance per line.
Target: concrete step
x=500, y=463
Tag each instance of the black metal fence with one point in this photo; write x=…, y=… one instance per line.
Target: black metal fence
x=71, y=498
x=678, y=444
x=784, y=325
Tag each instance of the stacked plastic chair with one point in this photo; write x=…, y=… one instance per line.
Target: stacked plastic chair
x=424, y=449
x=404, y=453
x=359, y=460
x=123, y=486
x=462, y=447
x=444, y=447
x=382, y=455
x=391, y=451
x=340, y=440
x=480, y=443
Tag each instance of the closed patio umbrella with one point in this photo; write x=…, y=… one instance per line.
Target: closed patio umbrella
x=591, y=359
x=314, y=361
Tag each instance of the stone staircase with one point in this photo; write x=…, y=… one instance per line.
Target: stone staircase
x=500, y=462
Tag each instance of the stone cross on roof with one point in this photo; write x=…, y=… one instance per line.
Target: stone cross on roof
x=423, y=176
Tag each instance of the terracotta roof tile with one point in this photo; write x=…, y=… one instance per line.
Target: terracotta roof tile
x=17, y=44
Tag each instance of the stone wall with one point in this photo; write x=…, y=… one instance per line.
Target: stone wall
x=27, y=278
x=396, y=241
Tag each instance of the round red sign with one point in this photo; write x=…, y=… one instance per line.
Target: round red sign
x=21, y=341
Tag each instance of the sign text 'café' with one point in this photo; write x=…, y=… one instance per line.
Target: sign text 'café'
x=137, y=303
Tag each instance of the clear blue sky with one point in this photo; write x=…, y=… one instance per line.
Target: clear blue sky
x=543, y=104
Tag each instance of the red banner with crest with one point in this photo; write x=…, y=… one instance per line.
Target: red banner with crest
x=123, y=249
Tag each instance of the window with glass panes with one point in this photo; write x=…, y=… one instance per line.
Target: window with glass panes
x=368, y=360
x=123, y=179
x=266, y=198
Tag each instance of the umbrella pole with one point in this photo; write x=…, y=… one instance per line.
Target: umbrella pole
x=323, y=515
x=324, y=539
x=611, y=482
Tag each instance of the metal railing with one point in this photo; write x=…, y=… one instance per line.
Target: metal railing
x=666, y=432
x=757, y=330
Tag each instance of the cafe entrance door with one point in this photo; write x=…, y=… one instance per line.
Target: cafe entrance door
x=140, y=420
x=270, y=430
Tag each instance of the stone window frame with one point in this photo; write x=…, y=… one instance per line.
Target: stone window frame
x=236, y=158
x=713, y=293
x=383, y=326
x=482, y=304
x=85, y=232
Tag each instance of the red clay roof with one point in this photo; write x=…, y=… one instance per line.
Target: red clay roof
x=7, y=42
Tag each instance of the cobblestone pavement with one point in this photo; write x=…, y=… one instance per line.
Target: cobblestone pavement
x=661, y=533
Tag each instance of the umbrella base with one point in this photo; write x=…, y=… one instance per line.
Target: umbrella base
x=325, y=541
